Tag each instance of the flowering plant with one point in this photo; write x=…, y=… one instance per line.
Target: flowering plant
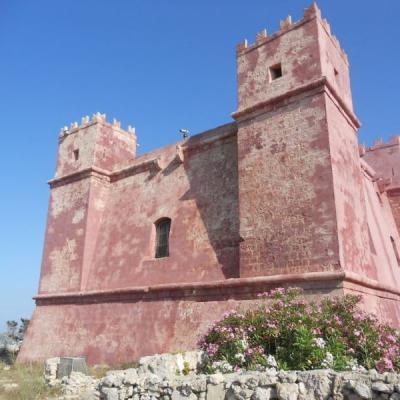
x=288, y=332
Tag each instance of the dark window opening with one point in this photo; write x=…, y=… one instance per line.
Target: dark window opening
x=163, y=227
x=395, y=250
x=76, y=155
x=275, y=71
x=335, y=71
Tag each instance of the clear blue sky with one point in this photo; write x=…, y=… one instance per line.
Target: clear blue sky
x=158, y=65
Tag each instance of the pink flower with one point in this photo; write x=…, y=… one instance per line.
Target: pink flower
x=384, y=364
x=212, y=349
x=338, y=320
x=391, y=338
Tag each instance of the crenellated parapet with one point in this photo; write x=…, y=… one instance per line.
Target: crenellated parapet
x=380, y=144
x=95, y=142
x=287, y=24
x=97, y=118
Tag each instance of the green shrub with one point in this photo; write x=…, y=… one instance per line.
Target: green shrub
x=288, y=332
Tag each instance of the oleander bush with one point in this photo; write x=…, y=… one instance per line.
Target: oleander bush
x=290, y=333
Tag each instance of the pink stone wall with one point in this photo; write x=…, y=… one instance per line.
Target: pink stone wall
x=101, y=229
x=383, y=266
x=116, y=332
x=348, y=191
x=200, y=197
x=286, y=192
x=65, y=238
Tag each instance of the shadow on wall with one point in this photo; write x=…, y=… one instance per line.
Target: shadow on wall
x=213, y=180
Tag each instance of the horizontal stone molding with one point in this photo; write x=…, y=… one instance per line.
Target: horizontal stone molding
x=224, y=289
x=321, y=83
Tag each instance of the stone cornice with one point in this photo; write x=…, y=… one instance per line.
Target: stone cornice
x=229, y=288
x=77, y=176
x=321, y=83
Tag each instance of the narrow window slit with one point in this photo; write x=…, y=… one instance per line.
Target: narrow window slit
x=76, y=154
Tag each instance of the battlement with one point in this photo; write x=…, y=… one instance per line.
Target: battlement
x=87, y=121
x=380, y=144
x=286, y=25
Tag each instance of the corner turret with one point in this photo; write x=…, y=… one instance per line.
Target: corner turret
x=95, y=143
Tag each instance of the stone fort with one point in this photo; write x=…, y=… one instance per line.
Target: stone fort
x=143, y=253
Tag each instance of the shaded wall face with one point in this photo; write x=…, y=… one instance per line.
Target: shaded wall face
x=199, y=196
x=385, y=160
x=287, y=210
x=348, y=189
x=383, y=238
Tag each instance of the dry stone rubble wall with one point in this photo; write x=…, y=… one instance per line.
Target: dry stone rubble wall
x=162, y=377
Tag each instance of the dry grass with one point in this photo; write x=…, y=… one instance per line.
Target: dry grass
x=30, y=381
x=99, y=371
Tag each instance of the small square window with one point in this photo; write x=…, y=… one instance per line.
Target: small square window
x=275, y=71
x=76, y=154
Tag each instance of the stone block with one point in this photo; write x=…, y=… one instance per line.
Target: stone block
x=215, y=392
x=67, y=365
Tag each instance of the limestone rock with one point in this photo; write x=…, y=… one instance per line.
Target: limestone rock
x=113, y=379
x=287, y=391
x=315, y=385
x=382, y=387
x=264, y=394
x=170, y=364
x=361, y=389
x=215, y=392
x=50, y=371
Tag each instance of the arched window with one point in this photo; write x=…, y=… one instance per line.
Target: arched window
x=163, y=227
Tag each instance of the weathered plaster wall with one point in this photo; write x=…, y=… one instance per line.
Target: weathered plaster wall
x=199, y=195
x=123, y=330
x=347, y=185
x=287, y=211
x=101, y=230
x=65, y=238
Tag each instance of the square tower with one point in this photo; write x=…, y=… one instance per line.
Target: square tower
x=300, y=194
